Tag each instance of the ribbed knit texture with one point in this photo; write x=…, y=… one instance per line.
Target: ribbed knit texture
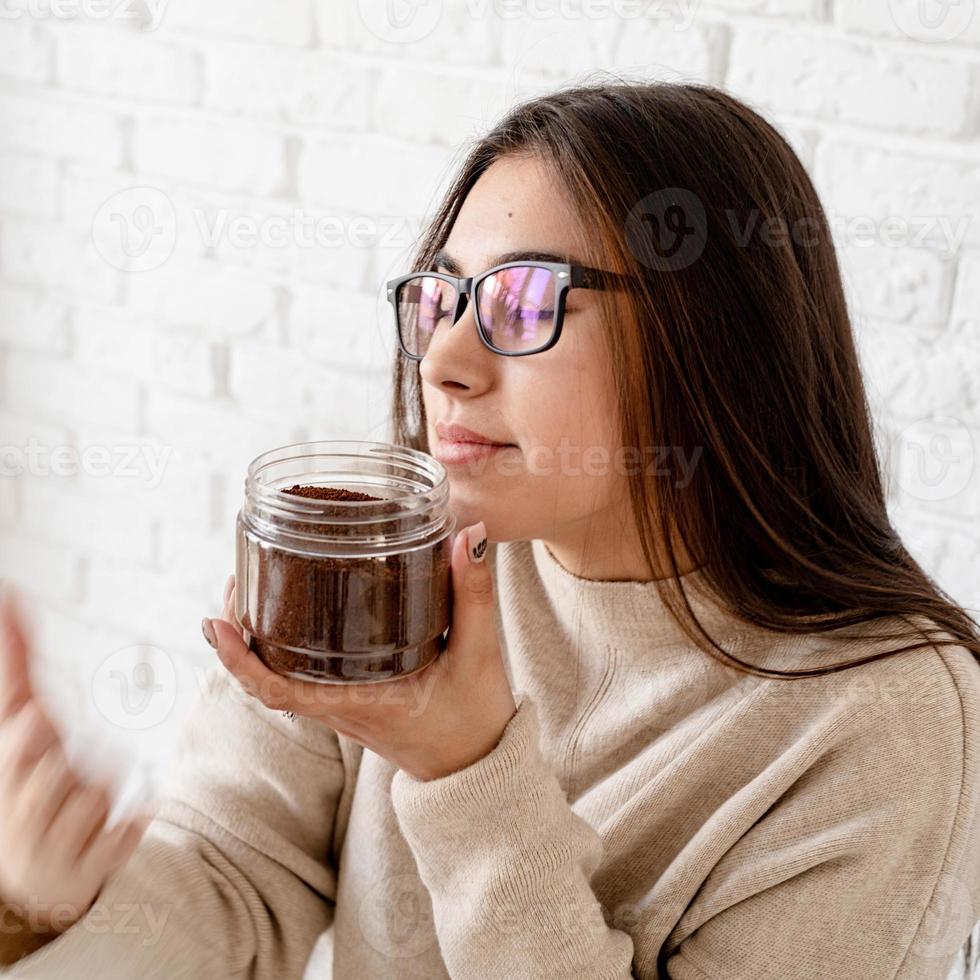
x=648, y=812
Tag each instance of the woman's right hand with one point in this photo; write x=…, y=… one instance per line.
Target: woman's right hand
x=55, y=853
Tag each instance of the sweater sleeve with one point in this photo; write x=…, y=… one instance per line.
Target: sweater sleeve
x=507, y=864
x=232, y=878
x=861, y=867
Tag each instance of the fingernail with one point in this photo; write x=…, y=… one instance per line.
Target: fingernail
x=477, y=540
x=208, y=630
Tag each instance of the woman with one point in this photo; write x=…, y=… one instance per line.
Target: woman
x=701, y=715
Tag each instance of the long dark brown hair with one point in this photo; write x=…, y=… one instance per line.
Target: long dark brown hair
x=742, y=350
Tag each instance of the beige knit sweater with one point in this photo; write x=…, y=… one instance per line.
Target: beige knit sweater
x=647, y=813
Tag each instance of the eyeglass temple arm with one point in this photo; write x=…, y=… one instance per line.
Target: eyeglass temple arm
x=588, y=278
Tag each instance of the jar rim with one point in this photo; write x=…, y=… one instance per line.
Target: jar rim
x=409, y=478
x=424, y=462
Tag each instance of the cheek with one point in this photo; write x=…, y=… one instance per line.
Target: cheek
x=572, y=419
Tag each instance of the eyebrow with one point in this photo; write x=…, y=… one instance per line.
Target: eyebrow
x=444, y=259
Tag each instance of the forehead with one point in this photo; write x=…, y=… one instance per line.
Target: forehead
x=517, y=203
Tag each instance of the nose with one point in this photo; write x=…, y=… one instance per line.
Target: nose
x=456, y=356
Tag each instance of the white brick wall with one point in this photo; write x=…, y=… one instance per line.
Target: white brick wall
x=222, y=132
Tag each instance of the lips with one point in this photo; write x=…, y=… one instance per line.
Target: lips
x=454, y=433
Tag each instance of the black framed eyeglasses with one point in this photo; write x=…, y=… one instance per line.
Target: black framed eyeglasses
x=518, y=307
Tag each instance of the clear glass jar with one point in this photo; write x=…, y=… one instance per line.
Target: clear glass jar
x=345, y=591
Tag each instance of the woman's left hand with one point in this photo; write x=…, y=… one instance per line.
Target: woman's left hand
x=430, y=723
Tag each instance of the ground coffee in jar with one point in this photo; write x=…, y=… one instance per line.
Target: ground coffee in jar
x=343, y=560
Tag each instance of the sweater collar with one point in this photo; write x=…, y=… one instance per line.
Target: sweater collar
x=628, y=613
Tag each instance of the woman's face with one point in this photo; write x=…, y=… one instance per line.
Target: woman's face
x=557, y=480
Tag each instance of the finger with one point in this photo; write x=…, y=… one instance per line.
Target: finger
x=111, y=849
x=29, y=736
x=47, y=788
x=15, y=654
x=229, y=585
x=272, y=689
x=228, y=613
x=473, y=625
x=81, y=816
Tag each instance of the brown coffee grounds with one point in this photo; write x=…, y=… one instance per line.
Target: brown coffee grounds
x=328, y=493
x=352, y=619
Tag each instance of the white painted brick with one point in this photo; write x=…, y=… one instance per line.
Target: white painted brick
x=268, y=377
x=118, y=343
x=446, y=33
x=905, y=284
x=126, y=65
x=201, y=563
x=777, y=8
x=352, y=405
x=802, y=139
x=232, y=157
x=164, y=478
x=429, y=107
x=53, y=510
x=21, y=431
x=234, y=231
x=635, y=46
x=966, y=303
x=936, y=546
x=852, y=81
x=282, y=381
x=322, y=244
x=185, y=214
x=230, y=435
x=917, y=377
x=217, y=300
x=285, y=22
x=25, y=49
x=393, y=254
x=359, y=176
x=657, y=51
x=60, y=392
x=931, y=465
x=62, y=129
x=28, y=184
x=928, y=201
x=78, y=646
x=32, y=320
x=301, y=88
x=956, y=567
x=40, y=253
x=44, y=569
x=340, y=329
x=875, y=17
x=145, y=603
x=8, y=501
